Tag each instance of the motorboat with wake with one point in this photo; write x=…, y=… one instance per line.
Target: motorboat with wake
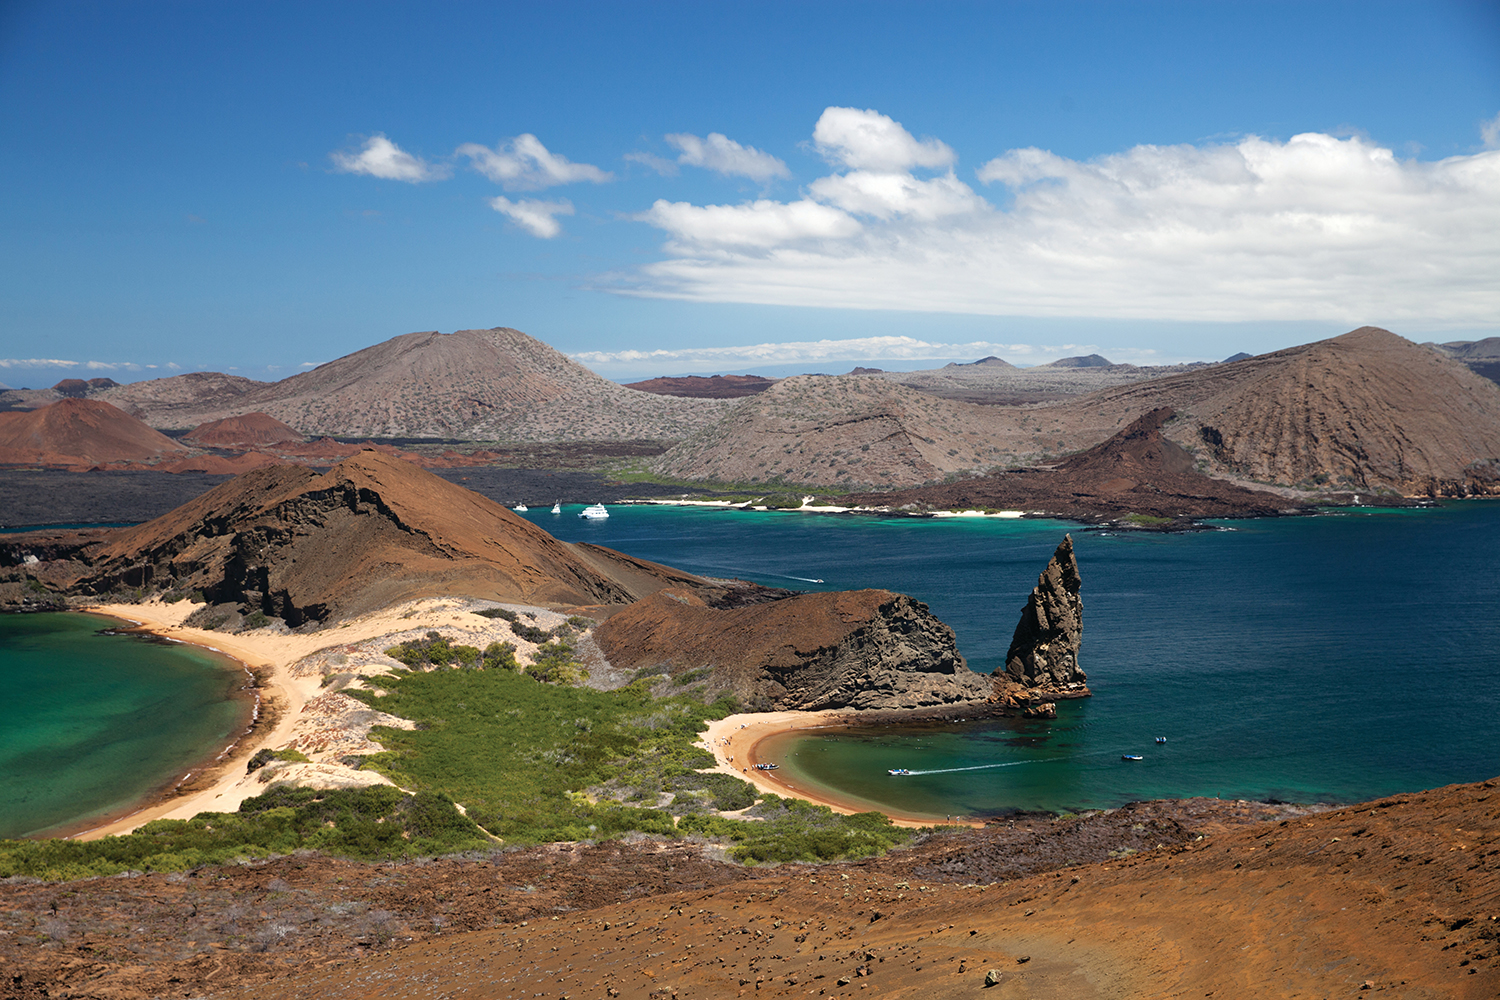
x=594, y=512
x=899, y=770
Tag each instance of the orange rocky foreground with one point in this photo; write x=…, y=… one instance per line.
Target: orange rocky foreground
x=1398, y=897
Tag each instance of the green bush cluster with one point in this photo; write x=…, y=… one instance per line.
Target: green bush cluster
x=379, y=823
x=436, y=651
x=793, y=830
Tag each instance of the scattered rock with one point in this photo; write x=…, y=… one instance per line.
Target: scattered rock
x=992, y=977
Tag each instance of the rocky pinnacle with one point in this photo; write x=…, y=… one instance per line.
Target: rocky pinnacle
x=1044, y=651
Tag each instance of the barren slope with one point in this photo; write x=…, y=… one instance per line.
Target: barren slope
x=855, y=430
x=372, y=531
x=1395, y=897
x=1364, y=411
x=495, y=384
x=250, y=429
x=80, y=431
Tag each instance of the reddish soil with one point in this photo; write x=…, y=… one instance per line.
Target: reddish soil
x=248, y=430
x=1175, y=898
x=699, y=387
x=80, y=432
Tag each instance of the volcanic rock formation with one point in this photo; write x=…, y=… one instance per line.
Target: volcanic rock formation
x=1043, y=654
x=80, y=432
x=494, y=385
x=251, y=429
x=860, y=649
x=372, y=531
x=1137, y=476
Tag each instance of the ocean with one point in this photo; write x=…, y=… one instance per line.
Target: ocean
x=92, y=723
x=1327, y=658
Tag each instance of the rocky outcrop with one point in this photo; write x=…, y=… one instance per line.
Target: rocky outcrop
x=862, y=649
x=1042, y=663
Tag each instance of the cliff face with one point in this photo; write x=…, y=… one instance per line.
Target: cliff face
x=1043, y=654
x=860, y=649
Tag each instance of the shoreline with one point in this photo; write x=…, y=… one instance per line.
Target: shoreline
x=735, y=742
x=249, y=694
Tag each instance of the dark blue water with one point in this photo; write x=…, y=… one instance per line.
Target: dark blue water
x=1328, y=658
x=92, y=722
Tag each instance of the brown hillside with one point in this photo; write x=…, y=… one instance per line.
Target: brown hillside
x=161, y=401
x=495, y=384
x=848, y=649
x=699, y=387
x=80, y=431
x=856, y=430
x=370, y=532
x=248, y=430
x=1137, y=471
x=1365, y=410
x=1397, y=897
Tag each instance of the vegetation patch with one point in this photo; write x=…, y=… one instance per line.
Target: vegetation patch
x=371, y=824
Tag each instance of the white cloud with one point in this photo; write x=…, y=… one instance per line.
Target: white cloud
x=854, y=348
x=723, y=155
x=758, y=224
x=383, y=158
x=665, y=167
x=1312, y=228
x=524, y=164
x=868, y=140
x=37, y=363
x=536, y=217
x=887, y=195
x=1489, y=131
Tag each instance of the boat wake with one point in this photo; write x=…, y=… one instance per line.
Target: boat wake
x=982, y=767
x=804, y=579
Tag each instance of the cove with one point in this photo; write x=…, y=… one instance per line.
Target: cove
x=1335, y=657
x=92, y=722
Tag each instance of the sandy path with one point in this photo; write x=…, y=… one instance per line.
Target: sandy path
x=735, y=742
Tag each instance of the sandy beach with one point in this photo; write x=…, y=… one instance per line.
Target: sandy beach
x=736, y=742
x=299, y=709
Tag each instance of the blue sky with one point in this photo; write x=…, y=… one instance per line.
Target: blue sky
x=774, y=187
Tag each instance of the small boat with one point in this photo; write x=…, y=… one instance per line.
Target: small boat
x=594, y=511
x=557, y=507
x=520, y=508
x=1131, y=756
x=1161, y=739
x=899, y=770
x=766, y=767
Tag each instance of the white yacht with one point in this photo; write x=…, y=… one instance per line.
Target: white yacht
x=557, y=507
x=594, y=511
x=520, y=508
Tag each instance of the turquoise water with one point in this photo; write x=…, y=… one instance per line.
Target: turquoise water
x=1328, y=658
x=91, y=723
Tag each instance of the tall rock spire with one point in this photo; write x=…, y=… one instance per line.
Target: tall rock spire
x=1044, y=651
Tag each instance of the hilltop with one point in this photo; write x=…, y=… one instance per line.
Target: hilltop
x=478, y=385
x=80, y=433
x=374, y=530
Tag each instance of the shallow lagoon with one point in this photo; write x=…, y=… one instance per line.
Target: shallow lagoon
x=1327, y=658
x=91, y=723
